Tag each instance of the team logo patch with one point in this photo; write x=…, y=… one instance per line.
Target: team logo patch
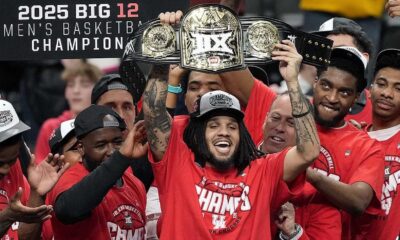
x=223, y=204
x=5, y=118
x=128, y=223
x=221, y=100
x=110, y=121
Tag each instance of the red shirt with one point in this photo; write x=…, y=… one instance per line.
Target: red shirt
x=366, y=113
x=386, y=225
x=347, y=155
x=201, y=203
x=121, y=214
x=42, y=148
x=8, y=188
x=260, y=101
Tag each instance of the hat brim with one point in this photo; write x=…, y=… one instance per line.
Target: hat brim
x=15, y=130
x=239, y=115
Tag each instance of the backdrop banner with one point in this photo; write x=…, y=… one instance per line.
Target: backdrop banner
x=56, y=29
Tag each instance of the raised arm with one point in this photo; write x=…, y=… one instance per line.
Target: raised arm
x=307, y=142
x=157, y=119
x=239, y=83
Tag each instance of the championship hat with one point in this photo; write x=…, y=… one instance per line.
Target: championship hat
x=10, y=124
x=218, y=102
x=61, y=134
x=107, y=83
x=95, y=117
x=350, y=60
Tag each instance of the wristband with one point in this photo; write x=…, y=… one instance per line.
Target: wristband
x=294, y=236
x=174, y=89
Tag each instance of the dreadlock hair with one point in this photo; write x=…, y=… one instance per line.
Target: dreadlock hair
x=195, y=139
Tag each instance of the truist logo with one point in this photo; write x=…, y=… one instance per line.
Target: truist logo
x=5, y=118
x=205, y=43
x=221, y=100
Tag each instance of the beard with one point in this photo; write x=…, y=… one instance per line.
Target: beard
x=90, y=164
x=328, y=123
x=222, y=165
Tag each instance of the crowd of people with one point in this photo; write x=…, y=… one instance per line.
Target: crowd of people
x=319, y=159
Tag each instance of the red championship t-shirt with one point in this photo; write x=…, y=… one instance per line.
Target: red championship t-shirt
x=347, y=155
x=201, y=203
x=387, y=224
x=121, y=214
x=260, y=101
x=9, y=185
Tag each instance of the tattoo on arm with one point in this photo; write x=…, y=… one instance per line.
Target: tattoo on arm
x=157, y=119
x=306, y=132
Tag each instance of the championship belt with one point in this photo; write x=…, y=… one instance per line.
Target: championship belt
x=211, y=38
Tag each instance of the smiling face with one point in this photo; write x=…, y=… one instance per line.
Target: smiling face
x=334, y=94
x=279, y=131
x=385, y=95
x=100, y=144
x=222, y=138
x=198, y=84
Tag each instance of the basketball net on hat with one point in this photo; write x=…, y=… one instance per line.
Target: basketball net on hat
x=10, y=125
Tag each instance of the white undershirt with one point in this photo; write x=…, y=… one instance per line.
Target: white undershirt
x=384, y=134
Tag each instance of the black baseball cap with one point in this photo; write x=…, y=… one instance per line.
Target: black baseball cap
x=61, y=135
x=350, y=60
x=388, y=58
x=95, y=117
x=336, y=23
x=107, y=83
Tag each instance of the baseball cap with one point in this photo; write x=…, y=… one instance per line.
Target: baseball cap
x=350, y=60
x=335, y=23
x=386, y=58
x=95, y=117
x=59, y=136
x=107, y=83
x=218, y=101
x=10, y=125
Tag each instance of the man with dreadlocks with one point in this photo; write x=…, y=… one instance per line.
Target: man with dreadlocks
x=213, y=183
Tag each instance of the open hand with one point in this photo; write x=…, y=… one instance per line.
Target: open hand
x=44, y=176
x=16, y=211
x=135, y=144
